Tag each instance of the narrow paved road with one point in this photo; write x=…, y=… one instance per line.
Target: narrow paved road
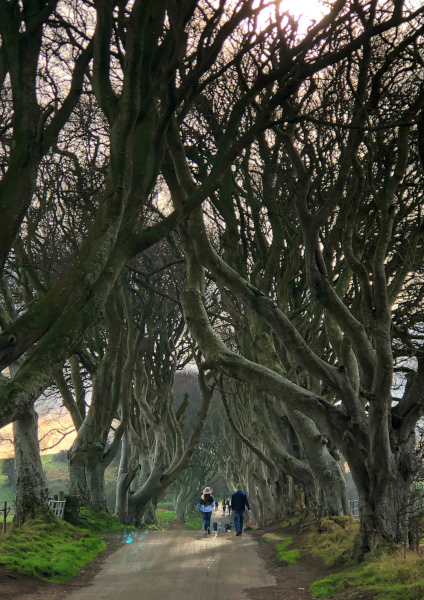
x=179, y=565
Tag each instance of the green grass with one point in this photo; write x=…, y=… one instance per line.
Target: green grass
x=390, y=575
x=99, y=521
x=334, y=542
x=166, y=515
x=193, y=522
x=57, y=479
x=6, y=492
x=288, y=556
x=165, y=505
x=55, y=550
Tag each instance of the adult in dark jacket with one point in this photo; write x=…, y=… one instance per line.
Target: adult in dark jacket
x=239, y=503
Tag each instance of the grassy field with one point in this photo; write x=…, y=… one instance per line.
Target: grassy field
x=56, y=473
x=6, y=493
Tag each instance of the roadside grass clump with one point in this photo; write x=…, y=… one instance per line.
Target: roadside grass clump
x=289, y=521
x=99, y=521
x=334, y=540
x=54, y=550
x=288, y=556
x=391, y=574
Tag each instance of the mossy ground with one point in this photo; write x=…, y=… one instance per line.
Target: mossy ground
x=392, y=576
x=334, y=540
x=390, y=573
x=55, y=550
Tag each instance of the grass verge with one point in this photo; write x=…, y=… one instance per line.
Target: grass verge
x=334, y=541
x=288, y=556
x=391, y=575
x=55, y=550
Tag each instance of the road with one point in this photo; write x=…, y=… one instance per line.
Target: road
x=179, y=565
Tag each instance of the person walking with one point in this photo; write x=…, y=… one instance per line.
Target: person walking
x=239, y=502
x=229, y=506
x=206, y=506
x=223, y=507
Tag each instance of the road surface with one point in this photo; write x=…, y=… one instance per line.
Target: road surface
x=179, y=565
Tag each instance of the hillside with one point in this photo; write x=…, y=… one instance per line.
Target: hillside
x=56, y=473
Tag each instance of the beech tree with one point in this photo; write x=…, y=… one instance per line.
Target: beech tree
x=349, y=183
x=311, y=158
x=148, y=60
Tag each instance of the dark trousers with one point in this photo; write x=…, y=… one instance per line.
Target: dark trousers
x=238, y=520
x=206, y=519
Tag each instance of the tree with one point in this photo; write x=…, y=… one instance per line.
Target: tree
x=146, y=61
x=354, y=279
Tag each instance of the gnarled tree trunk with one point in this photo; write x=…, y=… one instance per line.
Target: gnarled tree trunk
x=31, y=491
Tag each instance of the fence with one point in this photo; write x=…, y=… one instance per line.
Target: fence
x=57, y=507
x=354, y=508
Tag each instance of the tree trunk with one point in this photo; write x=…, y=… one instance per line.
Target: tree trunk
x=96, y=482
x=250, y=489
x=126, y=475
x=78, y=481
x=180, y=505
x=384, y=510
x=264, y=496
x=180, y=511
x=31, y=491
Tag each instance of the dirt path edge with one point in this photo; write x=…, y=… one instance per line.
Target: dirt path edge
x=294, y=581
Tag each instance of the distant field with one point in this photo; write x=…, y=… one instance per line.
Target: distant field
x=57, y=480
x=193, y=521
x=6, y=493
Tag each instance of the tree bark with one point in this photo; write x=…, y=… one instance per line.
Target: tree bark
x=31, y=491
